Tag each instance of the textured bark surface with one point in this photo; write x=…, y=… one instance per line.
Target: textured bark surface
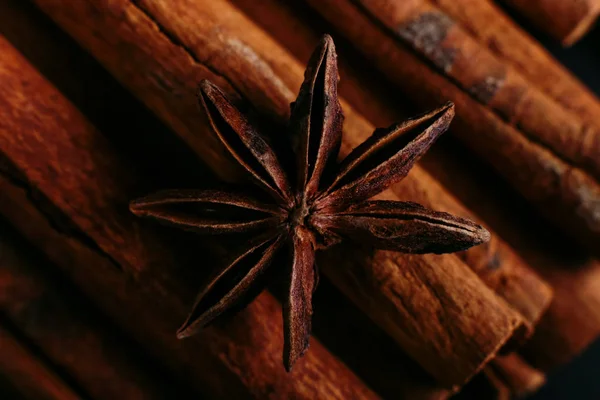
x=571, y=322
x=28, y=375
x=521, y=378
x=495, y=262
x=494, y=29
x=564, y=193
x=67, y=329
x=566, y=21
x=67, y=191
x=430, y=32
x=165, y=161
x=492, y=82
x=199, y=30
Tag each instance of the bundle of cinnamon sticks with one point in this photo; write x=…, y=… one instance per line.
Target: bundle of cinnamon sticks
x=66, y=185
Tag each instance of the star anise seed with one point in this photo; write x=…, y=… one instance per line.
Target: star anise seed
x=321, y=204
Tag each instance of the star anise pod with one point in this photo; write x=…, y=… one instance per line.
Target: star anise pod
x=324, y=203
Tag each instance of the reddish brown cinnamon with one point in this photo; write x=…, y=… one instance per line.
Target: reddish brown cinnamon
x=564, y=330
x=563, y=192
x=494, y=262
x=489, y=81
x=29, y=376
x=507, y=377
x=572, y=321
x=191, y=23
x=486, y=21
x=69, y=331
x=499, y=266
x=78, y=217
x=566, y=21
x=521, y=378
x=52, y=52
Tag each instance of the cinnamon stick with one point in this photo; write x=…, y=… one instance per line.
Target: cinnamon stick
x=563, y=333
x=498, y=265
x=488, y=80
x=28, y=375
x=53, y=54
x=566, y=21
x=507, y=377
x=564, y=193
x=379, y=361
x=69, y=331
x=249, y=68
x=495, y=262
x=496, y=30
x=521, y=378
x=572, y=321
x=68, y=192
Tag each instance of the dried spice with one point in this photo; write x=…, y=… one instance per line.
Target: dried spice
x=324, y=202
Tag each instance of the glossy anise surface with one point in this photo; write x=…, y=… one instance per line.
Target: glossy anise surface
x=319, y=204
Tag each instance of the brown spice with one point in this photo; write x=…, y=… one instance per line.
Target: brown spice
x=330, y=201
x=296, y=27
x=69, y=331
x=179, y=43
x=431, y=33
x=69, y=175
x=561, y=190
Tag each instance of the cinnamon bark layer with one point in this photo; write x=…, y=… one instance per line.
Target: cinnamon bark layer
x=428, y=31
x=69, y=331
x=572, y=321
x=27, y=374
x=496, y=30
x=67, y=191
x=171, y=45
x=495, y=262
x=521, y=378
x=406, y=39
x=566, y=21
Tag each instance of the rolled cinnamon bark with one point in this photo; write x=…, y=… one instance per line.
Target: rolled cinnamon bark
x=69, y=331
x=495, y=84
x=495, y=262
x=28, y=375
x=507, y=377
x=521, y=378
x=564, y=193
x=571, y=322
x=67, y=191
x=379, y=361
x=573, y=319
x=486, y=21
x=566, y=21
x=170, y=45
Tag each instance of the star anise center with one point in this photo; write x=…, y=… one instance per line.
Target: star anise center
x=299, y=215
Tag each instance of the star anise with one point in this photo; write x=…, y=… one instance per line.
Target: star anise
x=324, y=203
